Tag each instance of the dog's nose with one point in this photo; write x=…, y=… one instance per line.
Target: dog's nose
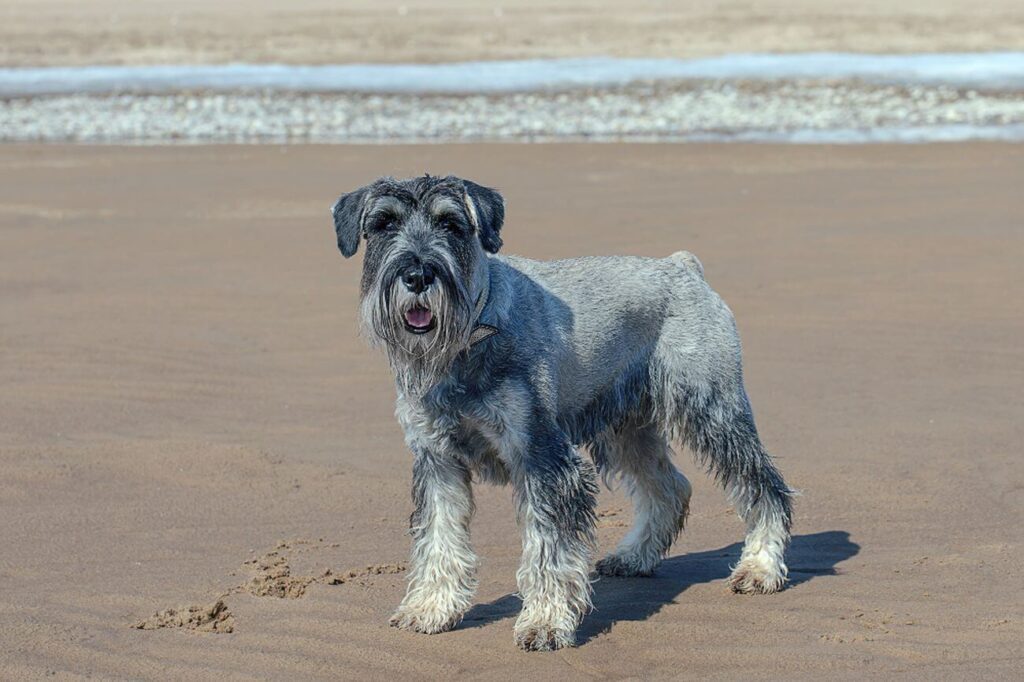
x=418, y=278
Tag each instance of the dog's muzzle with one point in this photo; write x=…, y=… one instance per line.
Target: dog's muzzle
x=417, y=279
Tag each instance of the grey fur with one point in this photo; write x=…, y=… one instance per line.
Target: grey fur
x=621, y=355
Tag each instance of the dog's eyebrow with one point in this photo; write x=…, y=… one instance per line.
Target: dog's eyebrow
x=445, y=204
x=390, y=202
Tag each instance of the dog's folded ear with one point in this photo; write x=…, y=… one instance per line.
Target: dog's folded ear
x=487, y=209
x=348, y=220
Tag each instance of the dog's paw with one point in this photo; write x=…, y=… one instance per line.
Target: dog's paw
x=544, y=638
x=624, y=566
x=754, y=578
x=426, y=622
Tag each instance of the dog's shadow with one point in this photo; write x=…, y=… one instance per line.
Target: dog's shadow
x=619, y=599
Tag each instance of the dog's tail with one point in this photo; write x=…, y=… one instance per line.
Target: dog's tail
x=688, y=260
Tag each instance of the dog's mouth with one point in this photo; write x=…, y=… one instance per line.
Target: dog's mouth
x=419, y=320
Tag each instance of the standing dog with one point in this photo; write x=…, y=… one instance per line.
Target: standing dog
x=506, y=366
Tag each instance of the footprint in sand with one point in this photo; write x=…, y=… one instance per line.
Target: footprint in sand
x=214, y=617
x=270, y=576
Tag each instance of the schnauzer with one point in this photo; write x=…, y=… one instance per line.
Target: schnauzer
x=505, y=367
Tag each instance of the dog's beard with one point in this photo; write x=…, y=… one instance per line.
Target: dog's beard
x=418, y=360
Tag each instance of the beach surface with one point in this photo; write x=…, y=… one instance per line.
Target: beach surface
x=74, y=32
x=189, y=420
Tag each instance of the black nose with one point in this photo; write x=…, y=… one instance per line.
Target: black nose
x=418, y=278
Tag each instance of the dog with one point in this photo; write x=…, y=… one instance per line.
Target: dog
x=506, y=368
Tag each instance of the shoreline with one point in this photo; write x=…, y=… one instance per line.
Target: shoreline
x=989, y=71
x=711, y=111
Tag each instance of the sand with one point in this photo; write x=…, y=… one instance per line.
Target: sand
x=64, y=32
x=191, y=431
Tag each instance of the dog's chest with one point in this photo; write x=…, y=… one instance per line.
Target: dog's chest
x=451, y=422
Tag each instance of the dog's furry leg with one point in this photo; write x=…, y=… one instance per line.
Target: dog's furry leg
x=555, y=493
x=442, y=575
x=723, y=434
x=660, y=495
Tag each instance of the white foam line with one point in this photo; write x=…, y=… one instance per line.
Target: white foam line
x=889, y=135
x=987, y=70
x=841, y=136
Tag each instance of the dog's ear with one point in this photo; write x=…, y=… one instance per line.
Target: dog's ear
x=348, y=220
x=487, y=209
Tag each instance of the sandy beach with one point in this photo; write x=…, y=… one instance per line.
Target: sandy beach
x=187, y=413
x=68, y=32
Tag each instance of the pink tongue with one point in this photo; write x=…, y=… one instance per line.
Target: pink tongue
x=418, y=317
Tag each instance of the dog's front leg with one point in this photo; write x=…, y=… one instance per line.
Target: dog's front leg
x=555, y=492
x=442, y=571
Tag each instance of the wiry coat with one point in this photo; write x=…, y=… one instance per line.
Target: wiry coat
x=621, y=355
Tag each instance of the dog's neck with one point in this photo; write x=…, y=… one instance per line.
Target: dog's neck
x=481, y=331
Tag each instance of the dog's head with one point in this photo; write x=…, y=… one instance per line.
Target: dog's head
x=427, y=241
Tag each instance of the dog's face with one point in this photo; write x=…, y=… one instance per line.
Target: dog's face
x=426, y=244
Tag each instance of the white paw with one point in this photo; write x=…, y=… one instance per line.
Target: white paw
x=429, y=622
x=543, y=637
x=627, y=565
x=752, y=576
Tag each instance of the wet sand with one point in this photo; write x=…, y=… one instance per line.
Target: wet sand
x=187, y=414
x=64, y=32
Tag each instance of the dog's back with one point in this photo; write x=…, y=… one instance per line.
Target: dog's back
x=608, y=317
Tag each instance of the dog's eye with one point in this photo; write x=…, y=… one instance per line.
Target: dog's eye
x=448, y=223
x=384, y=223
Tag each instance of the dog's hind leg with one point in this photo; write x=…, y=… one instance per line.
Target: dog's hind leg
x=698, y=393
x=641, y=456
x=442, y=571
x=721, y=432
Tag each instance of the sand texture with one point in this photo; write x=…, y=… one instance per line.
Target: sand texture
x=194, y=441
x=63, y=32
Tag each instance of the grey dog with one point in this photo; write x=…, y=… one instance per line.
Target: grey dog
x=506, y=366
